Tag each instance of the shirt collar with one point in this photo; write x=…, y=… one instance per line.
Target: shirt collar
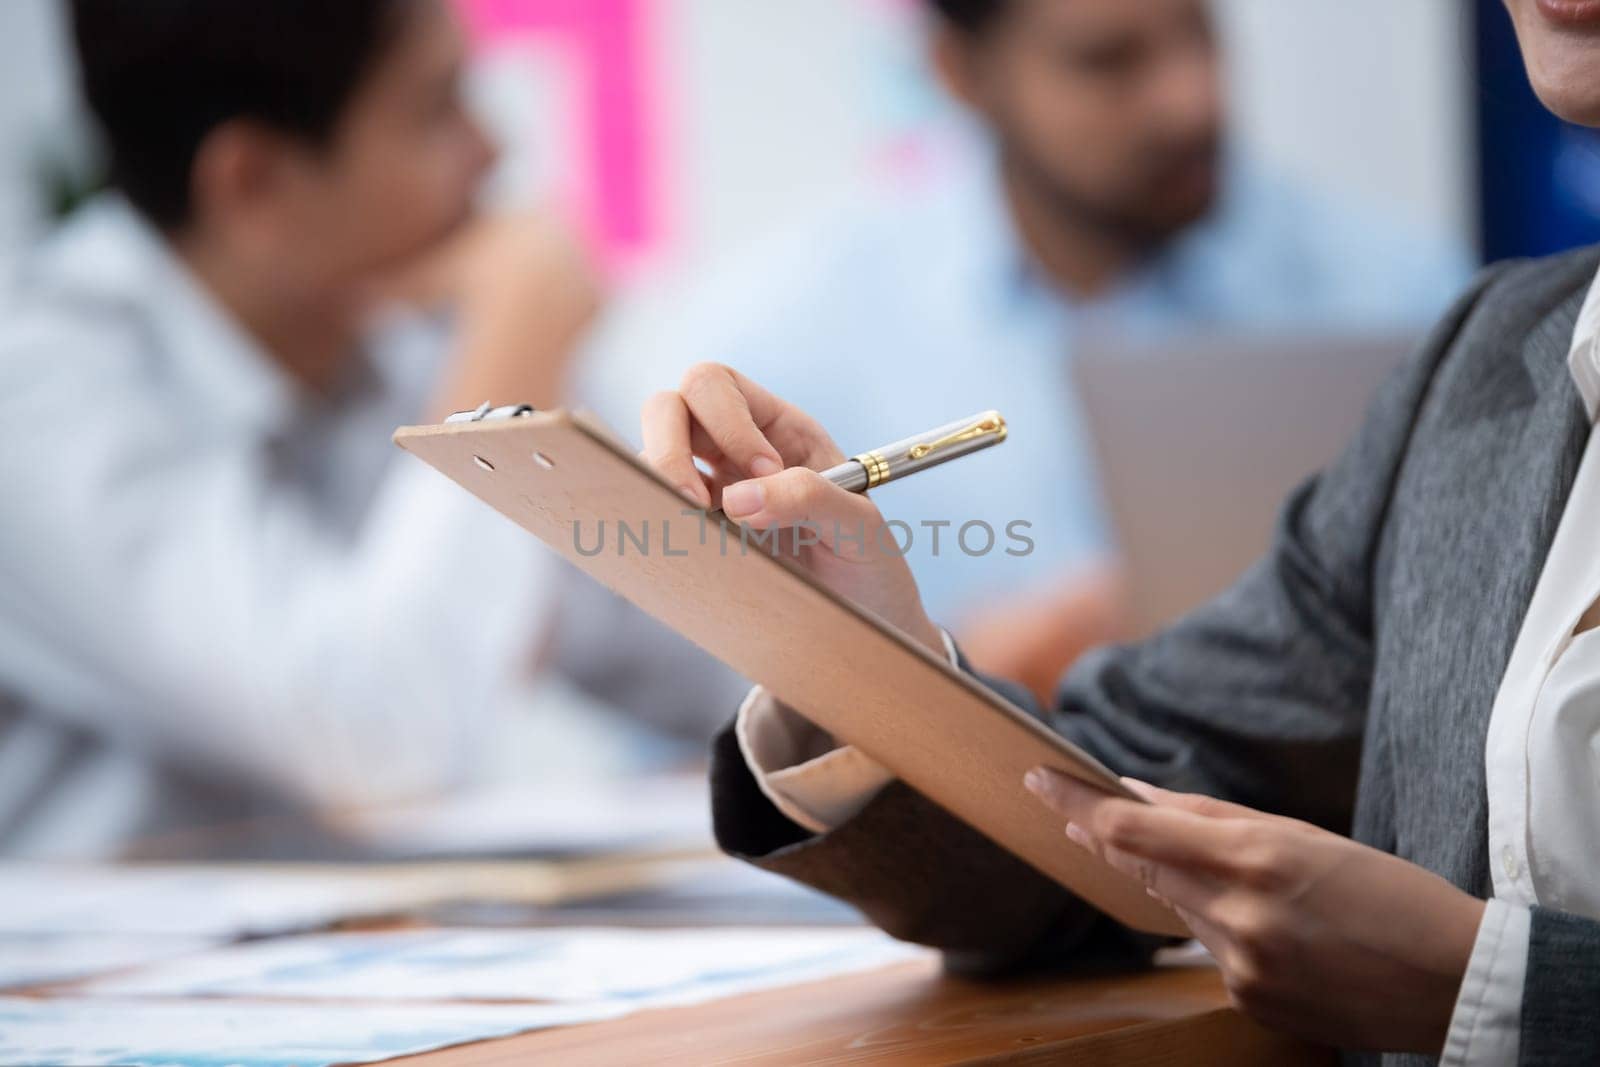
x=1584, y=358
x=110, y=254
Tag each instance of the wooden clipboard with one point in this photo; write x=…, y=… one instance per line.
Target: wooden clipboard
x=567, y=480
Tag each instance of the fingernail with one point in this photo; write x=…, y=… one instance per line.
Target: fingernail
x=689, y=491
x=1078, y=836
x=765, y=465
x=1033, y=781
x=743, y=498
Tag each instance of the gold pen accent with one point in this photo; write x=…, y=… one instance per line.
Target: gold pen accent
x=876, y=466
x=990, y=424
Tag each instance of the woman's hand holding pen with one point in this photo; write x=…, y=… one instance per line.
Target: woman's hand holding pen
x=1316, y=934
x=764, y=456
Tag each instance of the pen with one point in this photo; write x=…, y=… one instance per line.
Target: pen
x=940, y=445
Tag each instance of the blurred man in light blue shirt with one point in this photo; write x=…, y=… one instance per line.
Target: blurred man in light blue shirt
x=1105, y=204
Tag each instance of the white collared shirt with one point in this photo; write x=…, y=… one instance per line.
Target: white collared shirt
x=1541, y=756
x=215, y=590
x=1544, y=790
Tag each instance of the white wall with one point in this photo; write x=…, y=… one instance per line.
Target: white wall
x=1367, y=97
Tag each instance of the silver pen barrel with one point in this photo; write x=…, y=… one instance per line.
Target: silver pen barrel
x=940, y=445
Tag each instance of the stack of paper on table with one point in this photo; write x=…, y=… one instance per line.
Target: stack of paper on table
x=91, y=1033
x=361, y=997
x=154, y=963
x=638, y=967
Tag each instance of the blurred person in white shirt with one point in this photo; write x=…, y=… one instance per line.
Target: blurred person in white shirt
x=223, y=592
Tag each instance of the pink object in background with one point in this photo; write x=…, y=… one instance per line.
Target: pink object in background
x=618, y=187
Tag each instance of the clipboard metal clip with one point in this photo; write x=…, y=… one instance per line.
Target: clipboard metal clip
x=486, y=411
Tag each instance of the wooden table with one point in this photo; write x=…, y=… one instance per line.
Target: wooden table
x=911, y=1014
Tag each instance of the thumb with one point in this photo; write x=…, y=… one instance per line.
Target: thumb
x=846, y=523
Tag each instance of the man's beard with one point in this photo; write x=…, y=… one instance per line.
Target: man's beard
x=1146, y=214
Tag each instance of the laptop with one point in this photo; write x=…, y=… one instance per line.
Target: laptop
x=1200, y=442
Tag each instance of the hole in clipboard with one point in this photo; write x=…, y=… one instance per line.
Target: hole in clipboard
x=483, y=464
x=544, y=461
